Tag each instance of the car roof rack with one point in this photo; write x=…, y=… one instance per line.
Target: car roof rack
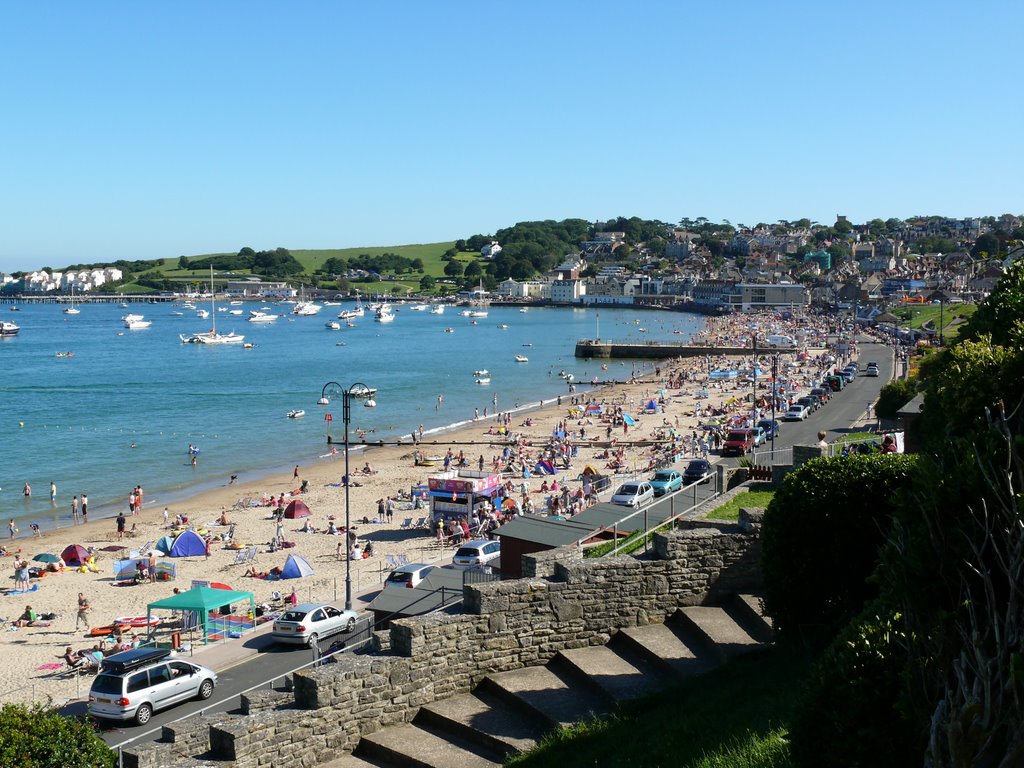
x=126, y=661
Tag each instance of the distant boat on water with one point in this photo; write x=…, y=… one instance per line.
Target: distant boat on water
x=9, y=329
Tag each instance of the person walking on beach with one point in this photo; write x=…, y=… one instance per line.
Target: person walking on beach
x=74, y=509
x=120, y=526
x=131, y=502
x=83, y=611
x=138, y=499
x=167, y=517
x=295, y=474
x=389, y=508
x=85, y=508
x=11, y=528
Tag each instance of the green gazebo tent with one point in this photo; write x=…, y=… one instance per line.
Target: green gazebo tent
x=203, y=600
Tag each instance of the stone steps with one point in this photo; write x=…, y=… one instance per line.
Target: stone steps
x=667, y=649
x=609, y=674
x=485, y=719
x=758, y=624
x=541, y=692
x=411, y=746
x=509, y=712
x=717, y=629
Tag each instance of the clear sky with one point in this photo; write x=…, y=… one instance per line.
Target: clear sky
x=156, y=129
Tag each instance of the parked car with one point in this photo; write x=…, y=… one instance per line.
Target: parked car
x=306, y=623
x=408, y=576
x=770, y=427
x=666, y=481
x=738, y=442
x=847, y=375
x=824, y=394
x=836, y=383
x=634, y=494
x=760, y=436
x=477, y=554
x=796, y=412
x=809, y=402
x=132, y=685
x=698, y=471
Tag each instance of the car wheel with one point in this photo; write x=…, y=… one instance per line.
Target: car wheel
x=350, y=625
x=206, y=690
x=143, y=714
x=311, y=641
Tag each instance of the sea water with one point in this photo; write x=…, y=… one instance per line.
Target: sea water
x=125, y=407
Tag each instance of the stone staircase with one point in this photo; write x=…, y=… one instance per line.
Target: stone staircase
x=509, y=712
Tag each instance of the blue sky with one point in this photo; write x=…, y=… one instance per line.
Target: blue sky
x=141, y=130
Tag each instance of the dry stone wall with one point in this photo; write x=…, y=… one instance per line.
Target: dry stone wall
x=565, y=602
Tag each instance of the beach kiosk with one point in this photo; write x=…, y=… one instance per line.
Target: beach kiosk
x=457, y=493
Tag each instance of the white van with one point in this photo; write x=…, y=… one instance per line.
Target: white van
x=783, y=342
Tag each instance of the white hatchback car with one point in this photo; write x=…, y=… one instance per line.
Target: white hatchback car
x=477, y=554
x=408, y=575
x=634, y=494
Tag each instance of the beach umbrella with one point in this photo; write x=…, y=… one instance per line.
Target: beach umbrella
x=46, y=557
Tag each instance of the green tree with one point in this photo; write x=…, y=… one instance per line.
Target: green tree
x=987, y=244
x=427, y=282
x=35, y=737
x=453, y=268
x=417, y=265
x=473, y=269
x=183, y=262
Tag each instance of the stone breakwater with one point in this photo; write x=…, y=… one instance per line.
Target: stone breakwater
x=566, y=602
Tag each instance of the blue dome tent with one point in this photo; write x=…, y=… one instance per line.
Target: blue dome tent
x=188, y=544
x=295, y=567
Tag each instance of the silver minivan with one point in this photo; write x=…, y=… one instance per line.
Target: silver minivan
x=134, y=684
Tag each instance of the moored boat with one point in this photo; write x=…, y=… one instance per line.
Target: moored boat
x=9, y=329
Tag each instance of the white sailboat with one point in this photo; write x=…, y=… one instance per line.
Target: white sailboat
x=212, y=337
x=384, y=314
x=305, y=308
x=72, y=310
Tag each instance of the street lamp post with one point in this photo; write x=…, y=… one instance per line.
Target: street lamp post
x=330, y=391
x=775, y=394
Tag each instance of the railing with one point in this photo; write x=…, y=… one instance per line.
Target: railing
x=630, y=541
x=766, y=456
x=672, y=517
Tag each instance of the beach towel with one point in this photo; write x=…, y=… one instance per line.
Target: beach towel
x=33, y=588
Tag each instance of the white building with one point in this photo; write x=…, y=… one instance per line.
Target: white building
x=567, y=291
x=490, y=250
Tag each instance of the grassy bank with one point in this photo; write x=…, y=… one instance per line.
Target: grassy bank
x=735, y=716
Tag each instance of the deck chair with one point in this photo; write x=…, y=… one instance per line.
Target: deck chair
x=392, y=562
x=403, y=560
x=142, y=551
x=250, y=554
x=240, y=557
x=421, y=523
x=406, y=524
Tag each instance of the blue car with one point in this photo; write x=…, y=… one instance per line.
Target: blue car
x=666, y=481
x=770, y=427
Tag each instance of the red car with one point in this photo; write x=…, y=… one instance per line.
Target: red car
x=738, y=442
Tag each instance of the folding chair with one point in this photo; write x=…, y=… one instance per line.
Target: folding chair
x=406, y=524
x=392, y=562
x=240, y=557
x=421, y=523
x=403, y=560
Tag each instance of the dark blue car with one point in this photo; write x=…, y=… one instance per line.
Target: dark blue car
x=770, y=427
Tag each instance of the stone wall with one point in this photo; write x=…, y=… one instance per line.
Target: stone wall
x=566, y=602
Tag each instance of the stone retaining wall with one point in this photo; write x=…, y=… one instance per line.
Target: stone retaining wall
x=566, y=602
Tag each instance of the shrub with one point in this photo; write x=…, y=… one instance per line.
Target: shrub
x=845, y=717
x=894, y=396
x=821, y=536
x=36, y=737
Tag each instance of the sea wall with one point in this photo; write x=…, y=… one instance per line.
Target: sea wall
x=565, y=602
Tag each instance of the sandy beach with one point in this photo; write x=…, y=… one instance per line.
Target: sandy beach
x=30, y=652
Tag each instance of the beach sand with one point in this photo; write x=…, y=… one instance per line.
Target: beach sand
x=28, y=649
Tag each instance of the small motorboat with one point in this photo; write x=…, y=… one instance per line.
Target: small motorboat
x=522, y=359
x=502, y=326
x=296, y=414
x=64, y=354
x=449, y=329
x=481, y=372
x=333, y=325
x=484, y=380
x=248, y=345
